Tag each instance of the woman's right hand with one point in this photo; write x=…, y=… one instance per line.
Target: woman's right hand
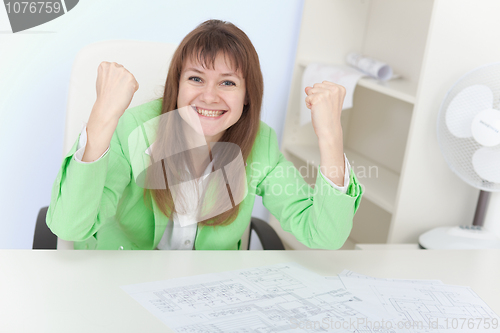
x=115, y=88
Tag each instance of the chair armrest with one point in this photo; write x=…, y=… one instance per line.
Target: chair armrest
x=43, y=238
x=267, y=235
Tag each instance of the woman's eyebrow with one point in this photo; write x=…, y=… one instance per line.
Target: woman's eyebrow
x=223, y=74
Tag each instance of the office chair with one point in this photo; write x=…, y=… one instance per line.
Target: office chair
x=148, y=62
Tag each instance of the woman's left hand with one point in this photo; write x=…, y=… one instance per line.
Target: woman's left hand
x=325, y=101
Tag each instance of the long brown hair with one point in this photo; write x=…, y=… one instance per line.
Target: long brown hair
x=204, y=43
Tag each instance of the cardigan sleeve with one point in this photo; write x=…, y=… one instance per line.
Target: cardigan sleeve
x=85, y=195
x=319, y=217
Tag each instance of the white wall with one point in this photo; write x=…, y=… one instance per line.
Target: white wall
x=35, y=68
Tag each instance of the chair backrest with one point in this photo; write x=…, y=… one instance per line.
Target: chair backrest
x=147, y=61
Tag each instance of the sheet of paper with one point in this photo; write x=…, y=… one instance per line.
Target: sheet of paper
x=276, y=298
x=289, y=298
x=346, y=274
x=424, y=306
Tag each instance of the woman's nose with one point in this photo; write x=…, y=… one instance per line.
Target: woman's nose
x=210, y=94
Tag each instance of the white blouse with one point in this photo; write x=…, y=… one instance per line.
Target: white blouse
x=175, y=236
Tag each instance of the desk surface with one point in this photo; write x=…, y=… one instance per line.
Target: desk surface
x=78, y=291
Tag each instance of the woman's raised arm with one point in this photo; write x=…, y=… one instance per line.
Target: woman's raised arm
x=115, y=88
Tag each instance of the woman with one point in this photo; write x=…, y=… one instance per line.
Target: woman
x=101, y=201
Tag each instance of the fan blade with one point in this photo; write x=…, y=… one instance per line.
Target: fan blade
x=485, y=128
x=465, y=106
x=486, y=163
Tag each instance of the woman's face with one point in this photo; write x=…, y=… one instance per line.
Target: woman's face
x=216, y=95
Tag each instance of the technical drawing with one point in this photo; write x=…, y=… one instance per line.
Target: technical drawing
x=277, y=298
x=421, y=306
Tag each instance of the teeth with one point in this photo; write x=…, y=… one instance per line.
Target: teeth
x=208, y=113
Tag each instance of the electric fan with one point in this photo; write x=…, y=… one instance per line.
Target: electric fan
x=468, y=131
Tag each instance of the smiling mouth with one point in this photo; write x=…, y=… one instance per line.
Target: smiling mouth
x=209, y=113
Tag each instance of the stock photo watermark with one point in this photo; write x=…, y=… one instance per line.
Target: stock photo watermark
x=361, y=324
x=361, y=171
x=24, y=15
x=170, y=152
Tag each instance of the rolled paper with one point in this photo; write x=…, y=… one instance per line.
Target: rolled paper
x=373, y=67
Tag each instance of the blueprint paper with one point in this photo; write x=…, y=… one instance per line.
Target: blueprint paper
x=289, y=298
x=357, y=280
x=424, y=306
x=275, y=298
x=373, y=67
x=363, y=285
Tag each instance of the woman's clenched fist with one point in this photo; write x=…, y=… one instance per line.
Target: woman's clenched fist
x=325, y=101
x=115, y=88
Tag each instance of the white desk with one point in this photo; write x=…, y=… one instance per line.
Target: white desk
x=78, y=291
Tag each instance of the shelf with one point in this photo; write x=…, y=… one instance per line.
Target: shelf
x=398, y=88
x=380, y=188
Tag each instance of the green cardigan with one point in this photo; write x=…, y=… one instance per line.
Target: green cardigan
x=99, y=205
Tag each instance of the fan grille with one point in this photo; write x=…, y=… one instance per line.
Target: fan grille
x=458, y=151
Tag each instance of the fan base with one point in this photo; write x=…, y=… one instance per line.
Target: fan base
x=461, y=237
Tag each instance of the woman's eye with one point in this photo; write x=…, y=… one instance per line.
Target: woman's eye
x=225, y=83
x=195, y=78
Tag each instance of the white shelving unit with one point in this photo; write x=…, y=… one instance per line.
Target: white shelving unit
x=399, y=88
x=381, y=189
x=389, y=134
